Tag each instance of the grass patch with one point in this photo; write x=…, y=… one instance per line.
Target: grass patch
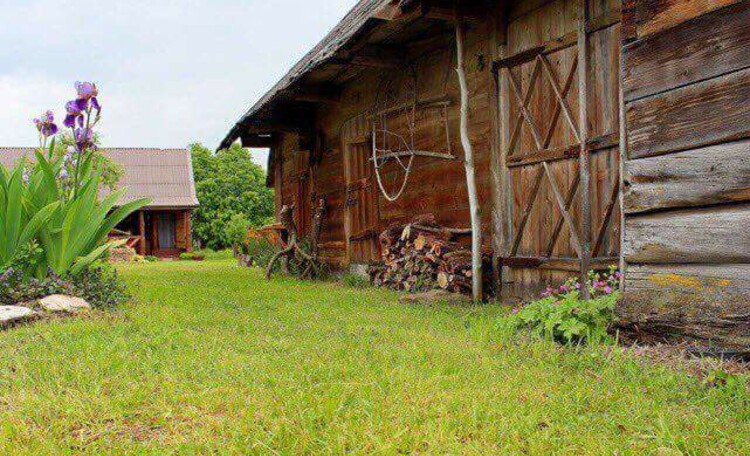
x=211, y=358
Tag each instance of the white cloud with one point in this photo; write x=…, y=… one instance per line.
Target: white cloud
x=170, y=72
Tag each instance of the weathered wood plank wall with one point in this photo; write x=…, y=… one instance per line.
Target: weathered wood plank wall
x=545, y=90
x=687, y=246
x=541, y=86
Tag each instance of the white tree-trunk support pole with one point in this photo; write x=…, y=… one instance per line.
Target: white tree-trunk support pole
x=471, y=185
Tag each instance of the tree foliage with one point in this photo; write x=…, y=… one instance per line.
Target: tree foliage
x=228, y=184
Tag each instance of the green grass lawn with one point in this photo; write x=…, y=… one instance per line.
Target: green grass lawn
x=210, y=358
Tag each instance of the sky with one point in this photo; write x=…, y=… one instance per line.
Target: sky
x=169, y=73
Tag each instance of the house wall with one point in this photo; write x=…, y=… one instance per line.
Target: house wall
x=686, y=86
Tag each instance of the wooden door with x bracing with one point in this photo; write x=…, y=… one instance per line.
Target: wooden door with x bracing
x=362, y=215
x=543, y=96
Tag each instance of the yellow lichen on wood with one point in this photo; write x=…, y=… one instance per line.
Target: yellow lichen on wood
x=670, y=280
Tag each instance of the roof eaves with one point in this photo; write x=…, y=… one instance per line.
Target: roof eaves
x=341, y=35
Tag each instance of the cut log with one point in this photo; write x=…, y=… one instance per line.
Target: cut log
x=700, y=177
x=711, y=45
x=701, y=114
x=707, y=235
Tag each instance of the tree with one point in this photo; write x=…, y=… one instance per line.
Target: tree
x=228, y=183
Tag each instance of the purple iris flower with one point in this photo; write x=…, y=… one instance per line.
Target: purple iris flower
x=88, y=91
x=75, y=110
x=46, y=124
x=26, y=176
x=83, y=137
x=64, y=173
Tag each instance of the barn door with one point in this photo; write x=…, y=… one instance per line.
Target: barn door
x=546, y=87
x=361, y=200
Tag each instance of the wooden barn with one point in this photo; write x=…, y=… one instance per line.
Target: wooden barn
x=603, y=132
x=165, y=176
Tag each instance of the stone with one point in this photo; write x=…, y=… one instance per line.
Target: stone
x=62, y=303
x=10, y=315
x=435, y=297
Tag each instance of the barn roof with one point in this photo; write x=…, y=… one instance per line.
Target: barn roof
x=164, y=175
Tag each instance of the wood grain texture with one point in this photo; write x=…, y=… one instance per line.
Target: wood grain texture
x=708, y=46
x=700, y=177
x=705, y=302
x=653, y=16
x=701, y=114
x=707, y=235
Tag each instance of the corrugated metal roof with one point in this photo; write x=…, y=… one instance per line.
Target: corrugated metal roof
x=164, y=175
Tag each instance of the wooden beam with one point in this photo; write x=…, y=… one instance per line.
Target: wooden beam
x=607, y=19
x=416, y=153
x=317, y=94
x=574, y=236
x=371, y=55
x=142, y=232
x=528, y=55
x=555, y=264
x=253, y=140
x=448, y=14
x=188, y=232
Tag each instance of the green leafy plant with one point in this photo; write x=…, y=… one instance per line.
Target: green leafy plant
x=561, y=315
x=20, y=221
x=75, y=235
x=568, y=319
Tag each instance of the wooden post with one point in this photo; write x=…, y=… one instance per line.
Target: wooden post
x=583, y=160
x=499, y=170
x=142, y=233
x=471, y=185
x=188, y=232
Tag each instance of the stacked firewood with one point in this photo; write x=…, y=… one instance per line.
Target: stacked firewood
x=422, y=255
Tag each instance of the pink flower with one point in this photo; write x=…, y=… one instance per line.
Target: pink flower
x=578, y=286
x=608, y=289
x=515, y=310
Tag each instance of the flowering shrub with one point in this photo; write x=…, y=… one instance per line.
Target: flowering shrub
x=64, y=190
x=561, y=315
x=599, y=284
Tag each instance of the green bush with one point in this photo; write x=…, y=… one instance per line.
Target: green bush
x=235, y=231
x=567, y=319
x=192, y=256
x=150, y=259
x=99, y=285
x=227, y=183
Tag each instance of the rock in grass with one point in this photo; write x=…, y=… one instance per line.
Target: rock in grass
x=62, y=303
x=10, y=315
